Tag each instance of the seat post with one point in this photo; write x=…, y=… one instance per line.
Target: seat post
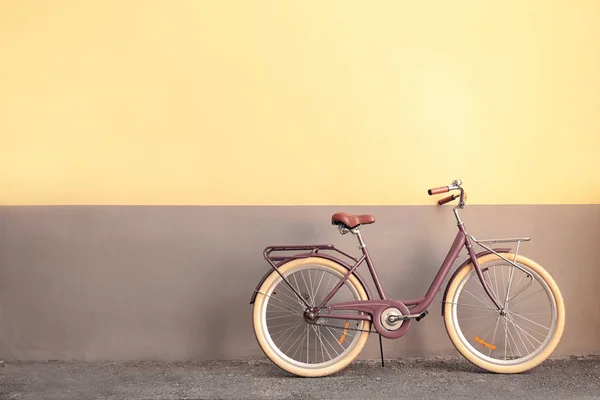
x=363, y=247
x=361, y=243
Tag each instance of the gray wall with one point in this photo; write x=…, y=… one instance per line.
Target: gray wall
x=174, y=283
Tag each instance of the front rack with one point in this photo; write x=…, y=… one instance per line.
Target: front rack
x=508, y=240
x=491, y=241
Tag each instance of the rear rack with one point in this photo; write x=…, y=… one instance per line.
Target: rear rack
x=314, y=249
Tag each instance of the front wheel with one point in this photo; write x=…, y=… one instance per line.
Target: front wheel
x=517, y=338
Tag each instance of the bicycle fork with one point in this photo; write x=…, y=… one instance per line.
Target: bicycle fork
x=486, y=288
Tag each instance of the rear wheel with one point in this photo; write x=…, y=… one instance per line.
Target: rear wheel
x=516, y=339
x=296, y=344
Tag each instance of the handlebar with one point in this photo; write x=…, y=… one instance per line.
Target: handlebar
x=447, y=199
x=456, y=185
x=443, y=189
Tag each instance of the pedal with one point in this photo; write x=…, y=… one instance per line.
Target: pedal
x=423, y=315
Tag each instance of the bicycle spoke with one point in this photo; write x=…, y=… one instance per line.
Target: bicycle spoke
x=532, y=307
x=472, y=306
x=293, y=297
x=290, y=295
x=480, y=300
x=517, y=285
x=282, y=316
x=280, y=325
x=312, y=289
x=331, y=346
x=543, y=335
x=541, y=313
x=316, y=345
x=281, y=301
x=298, y=290
x=476, y=289
x=284, y=330
x=290, y=335
x=490, y=330
x=307, y=339
x=514, y=342
x=505, y=337
x=472, y=318
x=334, y=337
x=335, y=328
x=318, y=286
x=503, y=286
x=494, y=292
x=497, y=287
x=524, y=331
x=327, y=290
x=527, y=319
x=293, y=312
x=307, y=289
x=494, y=337
x=510, y=278
x=517, y=302
x=519, y=333
x=322, y=344
x=300, y=340
x=276, y=310
x=534, y=313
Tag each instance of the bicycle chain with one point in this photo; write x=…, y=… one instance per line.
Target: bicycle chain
x=350, y=329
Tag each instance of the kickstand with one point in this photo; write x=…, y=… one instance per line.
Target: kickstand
x=381, y=349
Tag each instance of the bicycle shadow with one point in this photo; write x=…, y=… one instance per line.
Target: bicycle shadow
x=373, y=368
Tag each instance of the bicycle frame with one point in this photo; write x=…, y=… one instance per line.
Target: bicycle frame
x=374, y=307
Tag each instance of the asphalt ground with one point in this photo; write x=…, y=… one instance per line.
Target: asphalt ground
x=448, y=378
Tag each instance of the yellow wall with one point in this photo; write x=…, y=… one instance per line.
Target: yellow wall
x=320, y=102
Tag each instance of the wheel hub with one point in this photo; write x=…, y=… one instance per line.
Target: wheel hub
x=310, y=316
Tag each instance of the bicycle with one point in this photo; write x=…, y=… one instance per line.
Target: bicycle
x=313, y=312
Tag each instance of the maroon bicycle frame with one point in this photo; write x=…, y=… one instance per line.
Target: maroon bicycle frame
x=374, y=307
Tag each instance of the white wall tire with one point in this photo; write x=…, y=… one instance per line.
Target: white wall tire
x=261, y=330
x=458, y=340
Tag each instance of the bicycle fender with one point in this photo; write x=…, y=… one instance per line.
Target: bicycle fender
x=466, y=262
x=321, y=255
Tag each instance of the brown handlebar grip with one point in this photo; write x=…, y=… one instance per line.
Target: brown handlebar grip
x=447, y=199
x=439, y=190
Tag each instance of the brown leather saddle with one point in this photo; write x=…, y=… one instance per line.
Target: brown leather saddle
x=351, y=221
